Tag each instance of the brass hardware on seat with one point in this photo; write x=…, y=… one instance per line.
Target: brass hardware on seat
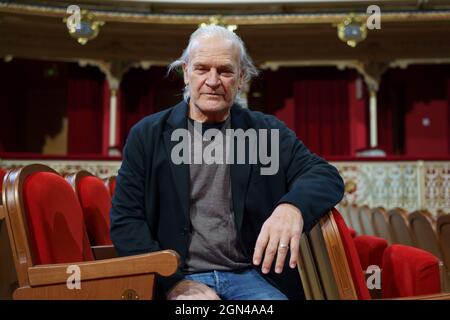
x=130, y=294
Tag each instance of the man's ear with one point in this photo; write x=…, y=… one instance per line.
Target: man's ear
x=185, y=73
x=241, y=80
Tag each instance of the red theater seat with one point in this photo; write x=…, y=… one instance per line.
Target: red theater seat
x=370, y=250
x=95, y=201
x=111, y=185
x=409, y=271
x=2, y=175
x=443, y=229
x=47, y=234
x=330, y=267
x=352, y=257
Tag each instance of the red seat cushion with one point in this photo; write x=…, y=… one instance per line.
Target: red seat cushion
x=96, y=203
x=55, y=220
x=409, y=271
x=352, y=257
x=370, y=250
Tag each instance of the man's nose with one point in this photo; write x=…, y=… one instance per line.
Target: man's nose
x=213, y=78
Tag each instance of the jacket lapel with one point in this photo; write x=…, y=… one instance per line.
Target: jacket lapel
x=239, y=172
x=180, y=172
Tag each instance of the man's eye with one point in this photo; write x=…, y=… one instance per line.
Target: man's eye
x=227, y=73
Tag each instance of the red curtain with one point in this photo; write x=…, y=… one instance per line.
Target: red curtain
x=316, y=104
x=84, y=111
x=137, y=98
x=144, y=92
x=32, y=103
x=413, y=111
x=322, y=121
x=448, y=104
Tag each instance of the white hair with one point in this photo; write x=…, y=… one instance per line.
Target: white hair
x=247, y=67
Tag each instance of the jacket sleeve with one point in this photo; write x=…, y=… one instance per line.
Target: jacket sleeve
x=130, y=231
x=314, y=185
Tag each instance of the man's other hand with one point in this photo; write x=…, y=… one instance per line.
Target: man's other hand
x=192, y=290
x=281, y=231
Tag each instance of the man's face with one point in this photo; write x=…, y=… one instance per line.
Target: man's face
x=213, y=75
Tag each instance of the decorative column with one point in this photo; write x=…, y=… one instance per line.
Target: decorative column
x=113, y=142
x=113, y=71
x=373, y=118
x=372, y=72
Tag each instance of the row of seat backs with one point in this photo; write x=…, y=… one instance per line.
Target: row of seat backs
x=109, y=182
x=95, y=196
x=330, y=267
x=46, y=226
x=419, y=228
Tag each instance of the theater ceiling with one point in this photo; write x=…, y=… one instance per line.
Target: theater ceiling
x=283, y=32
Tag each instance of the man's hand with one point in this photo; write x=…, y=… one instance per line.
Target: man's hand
x=192, y=290
x=279, y=232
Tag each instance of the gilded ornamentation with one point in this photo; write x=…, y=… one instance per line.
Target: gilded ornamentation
x=352, y=30
x=410, y=185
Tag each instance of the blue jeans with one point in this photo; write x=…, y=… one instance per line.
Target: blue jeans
x=246, y=284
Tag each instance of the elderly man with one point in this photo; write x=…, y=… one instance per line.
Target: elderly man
x=235, y=226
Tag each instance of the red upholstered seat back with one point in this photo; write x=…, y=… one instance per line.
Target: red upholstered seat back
x=55, y=220
x=112, y=186
x=96, y=203
x=2, y=174
x=409, y=271
x=352, y=257
x=352, y=232
x=370, y=250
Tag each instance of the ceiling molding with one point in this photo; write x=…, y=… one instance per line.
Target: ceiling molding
x=245, y=19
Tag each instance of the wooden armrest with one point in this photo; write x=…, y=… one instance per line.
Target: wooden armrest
x=104, y=252
x=164, y=263
x=2, y=214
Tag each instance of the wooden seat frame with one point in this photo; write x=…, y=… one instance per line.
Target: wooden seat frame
x=119, y=278
x=324, y=268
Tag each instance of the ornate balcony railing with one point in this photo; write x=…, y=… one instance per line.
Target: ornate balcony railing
x=410, y=185
x=102, y=167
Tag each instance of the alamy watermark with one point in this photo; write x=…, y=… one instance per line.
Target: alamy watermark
x=74, y=280
x=374, y=20
x=228, y=148
x=74, y=20
x=373, y=280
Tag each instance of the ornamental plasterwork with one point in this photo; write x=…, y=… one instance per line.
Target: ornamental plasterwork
x=410, y=185
x=437, y=185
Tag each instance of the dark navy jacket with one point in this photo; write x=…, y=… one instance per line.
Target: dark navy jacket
x=150, y=208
